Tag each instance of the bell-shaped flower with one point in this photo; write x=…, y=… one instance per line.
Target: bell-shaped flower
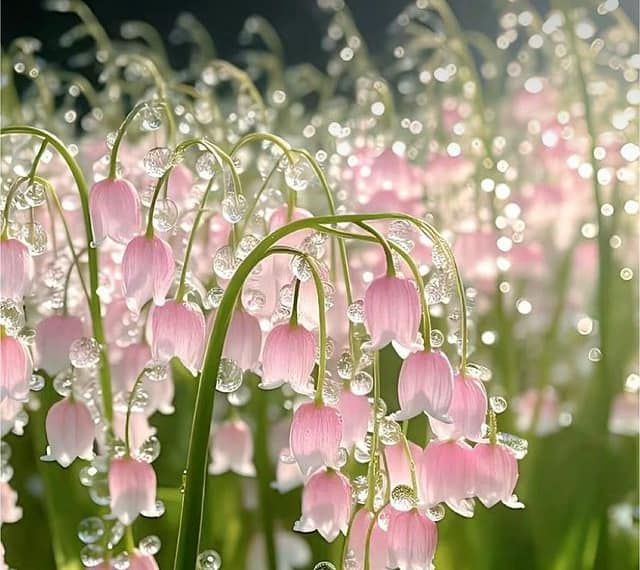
x=70, y=432
x=115, y=210
x=141, y=561
x=288, y=474
x=16, y=368
x=178, y=329
x=17, y=269
x=54, y=336
x=316, y=433
x=412, y=541
x=289, y=355
x=326, y=504
x=496, y=475
x=398, y=463
x=355, y=411
x=232, y=449
x=446, y=475
x=425, y=384
x=132, y=487
x=467, y=412
x=244, y=340
x=377, y=542
x=147, y=271
x=392, y=312
x=10, y=512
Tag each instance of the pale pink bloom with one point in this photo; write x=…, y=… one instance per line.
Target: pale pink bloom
x=360, y=525
x=139, y=428
x=10, y=512
x=180, y=182
x=244, y=340
x=412, y=541
x=232, y=449
x=425, y=384
x=132, y=487
x=467, y=411
x=355, y=411
x=476, y=253
x=115, y=210
x=326, y=505
x=15, y=369
x=54, y=336
x=292, y=551
x=624, y=418
x=446, y=474
x=397, y=461
x=288, y=474
x=17, y=269
x=543, y=405
x=289, y=355
x=495, y=475
x=140, y=561
x=392, y=312
x=9, y=410
x=147, y=271
x=70, y=432
x=316, y=433
x=178, y=329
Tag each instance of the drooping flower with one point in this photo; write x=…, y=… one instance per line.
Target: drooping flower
x=232, y=449
x=70, y=432
x=397, y=462
x=115, y=210
x=358, y=533
x=244, y=340
x=140, y=561
x=316, y=433
x=289, y=355
x=412, y=540
x=623, y=418
x=16, y=368
x=496, y=475
x=355, y=411
x=10, y=512
x=132, y=487
x=178, y=329
x=17, y=269
x=467, y=411
x=54, y=336
x=392, y=312
x=326, y=504
x=147, y=271
x=446, y=475
x=425, y=384
x=288, y=474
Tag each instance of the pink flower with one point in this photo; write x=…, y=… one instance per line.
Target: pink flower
x=140, y=561
x=360, y=525
x=445, y=473
x=326, y=505
x=232, y=449
x=16, y=369
x=147, y=271
x=467, y=411
x=244, y=340
x=355, y=412
x=392, y=312
x=623, y=419
x=54, y=336
x=132, y=487
x=17, y=269
x=288, y=474
x=115, y=210
x=398, y=462
x=10, y=512
x=289, y=355
x=316, y=432
x=70, y=432
x=496, y=474
x=425, y=384
x=412, y=541
x=178, y=329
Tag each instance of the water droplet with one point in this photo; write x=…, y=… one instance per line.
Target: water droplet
x=361, y=384
x=206, y=166
x=84, y=352
x=390, y=432
x=92, y=555
x=298, y=176
x=324, y=565
x=345, y=366
x=157, y=161
x=36, y=383
x=253, y=300
x=439, y=256
x=478, y=371
x=156, y=370
x=246, y=245
x=33, y=235
x=34, y=193
x=121, y=561
x=229, y=376
x=435, y=513
x=239, y=397
x=149, y=450
x=403, y=498
x=437, y=338
x=11, y=316
x=595, y=355
x=165, y=215
x=91, y=529
x=360, y=489
x=355, y=312
x=209, y=560
x=224, y=262
x=498, y=404
x=518, y=445
x=214, y=296
x=150, y=119
x=5, y=452
x=63, y=382
x=300, y=268
x=150, y=545
x=234, y=207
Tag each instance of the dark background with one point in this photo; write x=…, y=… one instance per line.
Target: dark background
x=300, y=23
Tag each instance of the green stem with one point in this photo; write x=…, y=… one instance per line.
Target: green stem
x=154, y=199
x=94, y=305
x=372, y=473
x=127, y=421
x=293, y=321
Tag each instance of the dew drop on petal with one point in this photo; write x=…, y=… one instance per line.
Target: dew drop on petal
x=229, y=376
x=403, y=498
x=435, y=513
x=361, y=384
x=84, y=352
x=157, y=161
x=355, y=312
